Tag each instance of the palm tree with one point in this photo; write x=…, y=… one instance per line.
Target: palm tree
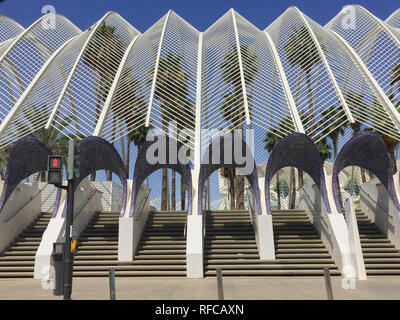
x=3, y=162
x=395, y=80
x=229, y=173
x=102, y=55
x=301, y=50
x=55, y=141
x=130, y=105
x=390, y=142
x=171, y=90
x=330, y=118
x=138, y=137
x=354, y=101
x=324, y=149
x=52, y=138
x=233, y=107
x=271, y=139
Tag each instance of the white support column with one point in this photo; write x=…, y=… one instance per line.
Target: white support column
x=264, y=228
x=286, y=88
x=197, y=133
x=387, y=104
x=125, y=229
x=10, y=116
x=110, y=97
x=265, y=237
x=194, y=233
x=246, y=105
x=328, y=68
x=61, y=96
x=130, y=229
x=157, y=63
x=354, y=242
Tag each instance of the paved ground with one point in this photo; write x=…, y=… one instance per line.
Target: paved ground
x=181, y=289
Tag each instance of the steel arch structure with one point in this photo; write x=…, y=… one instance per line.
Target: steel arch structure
x=110, y=80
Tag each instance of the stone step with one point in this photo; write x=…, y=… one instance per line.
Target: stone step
x=319, y=266
x=173, y=267
x=18, y=274
x=160, y=273
x=281, y=273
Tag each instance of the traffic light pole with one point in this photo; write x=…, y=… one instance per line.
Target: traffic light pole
x=68, y=258
x=68, y=262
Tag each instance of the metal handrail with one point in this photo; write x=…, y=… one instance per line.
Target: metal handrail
x=315, y=209
x=144, y=203
x=24, y=205
x=250, y=199
x=83, y=205
x=366, y=193
x=388, y=215
x=204, y=217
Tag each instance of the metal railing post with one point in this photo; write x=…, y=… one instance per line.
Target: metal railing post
x=220, y=284
x=112, y=283
x=328, y=284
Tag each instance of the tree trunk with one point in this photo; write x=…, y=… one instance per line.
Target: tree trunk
x=173, y=191
x=335, y=148
x=309, y=96
x=363, y=179
x=278, y=190
x=232, y=188
x=164, y=191
x=292, y=188
x=339, y=192
x=392, y=156
x=240, y=182
x=371, y=175
x=43, y=176
x=300, y=177
x=183, y=194
x=114, y=124
x=239, y=192
x=128, y=151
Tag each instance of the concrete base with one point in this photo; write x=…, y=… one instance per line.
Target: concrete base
x=86, y=204
x=266, y=246
x=126, y=249
x=354, y=241
x=130, y=228
x=194, y=247
x=43, y=259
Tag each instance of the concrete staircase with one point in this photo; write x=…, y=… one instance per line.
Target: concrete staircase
x=230, y=243
x=161, y=252
x=18, y=260
x=381, y=258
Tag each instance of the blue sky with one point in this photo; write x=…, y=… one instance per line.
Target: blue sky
x=200, y=13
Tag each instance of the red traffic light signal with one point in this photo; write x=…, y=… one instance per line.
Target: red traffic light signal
x=54, y=168
x=55, y=162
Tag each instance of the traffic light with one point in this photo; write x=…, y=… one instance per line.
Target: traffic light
x=54, y=170
x=77, y=159
x=73, y=159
